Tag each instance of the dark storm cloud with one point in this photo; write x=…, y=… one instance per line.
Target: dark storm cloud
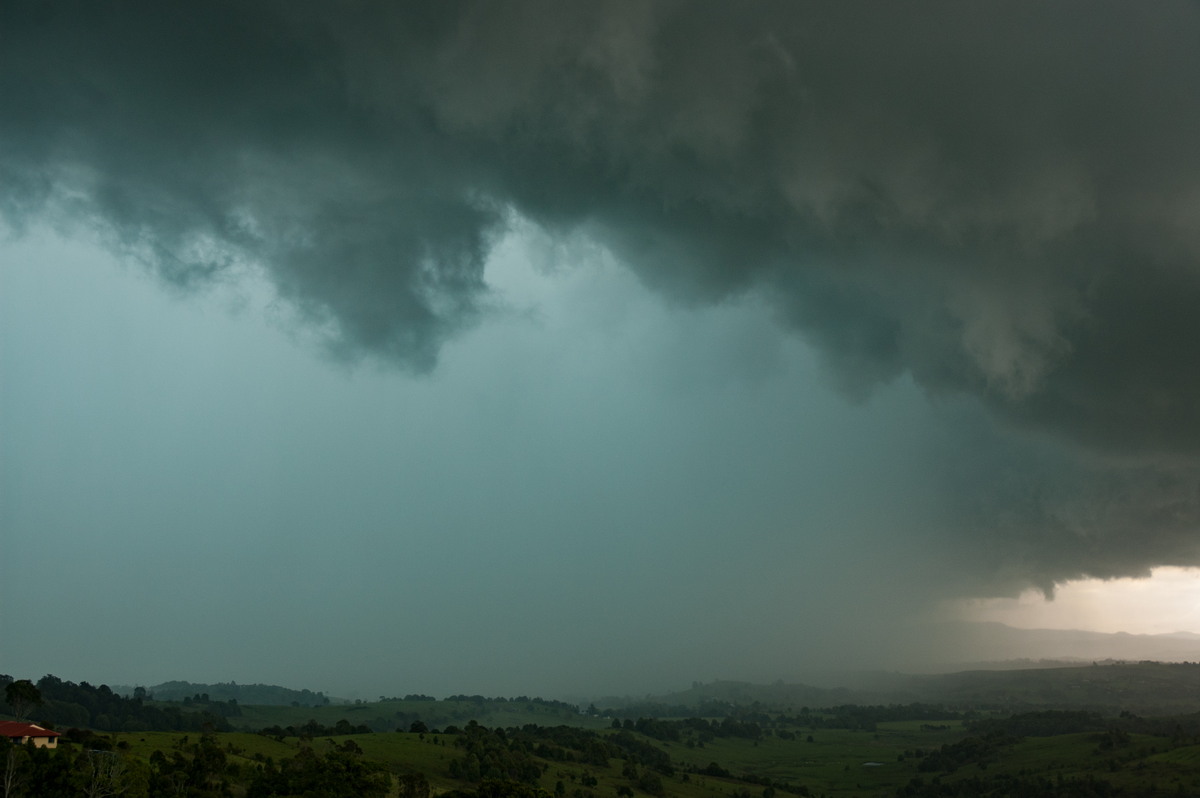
x=1002, y=200
x=1024, y=510
x=209, y=137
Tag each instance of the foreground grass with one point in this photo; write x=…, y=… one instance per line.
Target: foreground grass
x=836, y=763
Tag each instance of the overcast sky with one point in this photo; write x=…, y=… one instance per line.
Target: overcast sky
x=562, y=348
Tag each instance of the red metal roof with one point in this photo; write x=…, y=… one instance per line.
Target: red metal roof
x=14, y=728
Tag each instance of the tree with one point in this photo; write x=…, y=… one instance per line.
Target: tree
x=336, y=775
x=651, y=783
x=11, y=780
x=104, y=774
x=22, y=695
x=413, y=785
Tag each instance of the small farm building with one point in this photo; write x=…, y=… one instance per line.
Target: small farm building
x=21, y=733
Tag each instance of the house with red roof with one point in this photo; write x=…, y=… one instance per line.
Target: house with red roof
x=21, y=733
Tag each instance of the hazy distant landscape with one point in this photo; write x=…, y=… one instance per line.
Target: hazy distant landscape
x=1129, y=729
x=981, y=646
x=974, y=645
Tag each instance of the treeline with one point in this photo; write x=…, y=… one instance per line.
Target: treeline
x=867, y=717
x=691, y=728
x=64, y=704
x=755, y=725
x=226, y=709
x=521, y=699
x=1180, y=728
x=709, y=708
x=401, y=713
x=313, y=729
x=1025, y=786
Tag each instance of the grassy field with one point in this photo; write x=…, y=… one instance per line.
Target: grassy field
x=836, y=763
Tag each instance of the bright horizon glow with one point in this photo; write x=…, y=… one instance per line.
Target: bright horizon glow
x=1168, y=601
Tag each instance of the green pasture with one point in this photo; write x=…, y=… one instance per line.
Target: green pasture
x=836, y=762
x=1143, y=762
x=1184, y=756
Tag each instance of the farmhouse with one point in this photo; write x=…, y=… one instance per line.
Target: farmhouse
x=21, y=733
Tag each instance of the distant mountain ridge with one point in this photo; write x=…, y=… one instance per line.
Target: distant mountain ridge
x=254, y=694
x=975, y=643
x=1142, y=687
x=984, y=663
x=964, y=646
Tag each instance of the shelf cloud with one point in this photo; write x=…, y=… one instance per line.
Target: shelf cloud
x=999, y=202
